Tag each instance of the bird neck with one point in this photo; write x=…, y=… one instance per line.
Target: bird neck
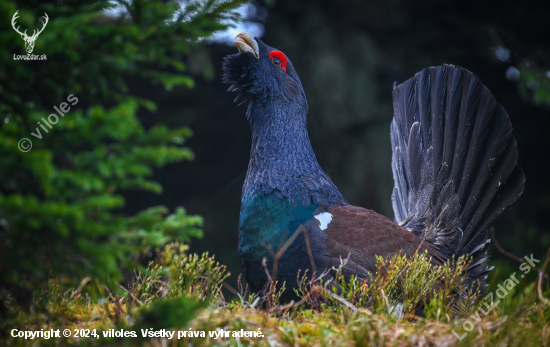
x=282, y=161
x=284, y=188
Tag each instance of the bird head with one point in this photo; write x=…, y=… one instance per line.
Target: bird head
x=262, y=75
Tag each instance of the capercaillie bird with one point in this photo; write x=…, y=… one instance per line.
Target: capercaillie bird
x=454, y=167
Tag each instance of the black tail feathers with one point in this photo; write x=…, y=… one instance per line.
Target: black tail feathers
x=454, y=161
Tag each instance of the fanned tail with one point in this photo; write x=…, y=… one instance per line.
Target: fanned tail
x=454, y=162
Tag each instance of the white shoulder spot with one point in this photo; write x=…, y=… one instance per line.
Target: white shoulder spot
x=324, y=219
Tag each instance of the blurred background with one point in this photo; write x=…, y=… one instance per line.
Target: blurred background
x=348, y=54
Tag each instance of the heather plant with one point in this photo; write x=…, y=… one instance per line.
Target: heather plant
x=402, y=286
x=182, y=293
x=61, y=198
x=65, y=245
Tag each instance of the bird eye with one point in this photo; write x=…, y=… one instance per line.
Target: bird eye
x=278, y=59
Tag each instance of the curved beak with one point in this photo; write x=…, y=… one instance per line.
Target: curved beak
x=248, y=44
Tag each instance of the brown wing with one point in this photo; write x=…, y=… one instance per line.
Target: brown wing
x=364, y=234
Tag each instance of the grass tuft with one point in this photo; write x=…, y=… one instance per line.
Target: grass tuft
x=183, y=293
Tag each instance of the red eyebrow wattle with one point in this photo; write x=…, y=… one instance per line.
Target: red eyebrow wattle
x=280, y=55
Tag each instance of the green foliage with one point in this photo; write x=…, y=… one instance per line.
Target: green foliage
x=413, y=284
x=61, y=227
x=157, y=302
x=59, y=201
x=98, y=52
x=534, y=83
x=194, y=276
x=191, y=276
x=168, y=313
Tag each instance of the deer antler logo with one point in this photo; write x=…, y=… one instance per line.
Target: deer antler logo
x=29, y=40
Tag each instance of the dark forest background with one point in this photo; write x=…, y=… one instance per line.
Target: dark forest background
x=348, y=54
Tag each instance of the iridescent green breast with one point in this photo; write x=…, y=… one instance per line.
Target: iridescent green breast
x=267, y=223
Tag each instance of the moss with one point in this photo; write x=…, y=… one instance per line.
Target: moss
x=182, y=292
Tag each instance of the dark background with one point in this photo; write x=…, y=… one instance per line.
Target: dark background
x=348, y=54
